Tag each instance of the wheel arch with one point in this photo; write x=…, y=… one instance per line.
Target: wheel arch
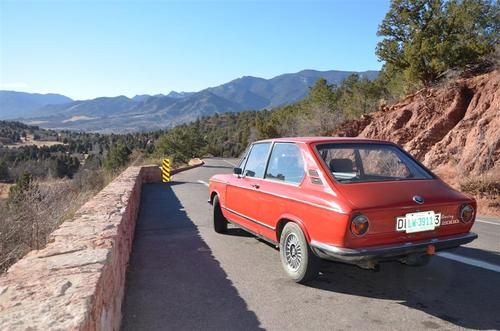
x=216, y=190
x=287, y=218
x=212, y=196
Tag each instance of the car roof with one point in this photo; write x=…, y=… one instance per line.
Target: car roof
x=312, y=140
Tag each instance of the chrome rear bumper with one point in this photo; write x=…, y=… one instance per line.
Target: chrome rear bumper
x=381, y=252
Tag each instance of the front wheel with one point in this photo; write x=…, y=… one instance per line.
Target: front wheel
x=297, y=258
x=220, y=222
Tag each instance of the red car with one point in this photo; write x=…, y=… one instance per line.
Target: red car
x=352, y=200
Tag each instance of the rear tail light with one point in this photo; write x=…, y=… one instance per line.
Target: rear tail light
x=466, y=213
x=359, y=225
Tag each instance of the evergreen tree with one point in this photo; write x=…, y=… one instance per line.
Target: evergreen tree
x=4, y=171
x=117, y=157
x=424, y=38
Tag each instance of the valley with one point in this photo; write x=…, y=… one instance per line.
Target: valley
x=152, y=112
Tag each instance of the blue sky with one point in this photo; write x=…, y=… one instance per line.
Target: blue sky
x=86, y=49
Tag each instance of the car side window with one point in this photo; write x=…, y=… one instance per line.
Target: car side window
x=286, y=163
x=256, y=161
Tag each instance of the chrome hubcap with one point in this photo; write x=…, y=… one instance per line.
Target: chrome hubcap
x=293, y=251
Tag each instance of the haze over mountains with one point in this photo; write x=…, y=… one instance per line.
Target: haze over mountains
x=18, y=104
x=148, y=112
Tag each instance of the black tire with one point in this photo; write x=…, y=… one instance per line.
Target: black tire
x=220, y=222
x=297, y=258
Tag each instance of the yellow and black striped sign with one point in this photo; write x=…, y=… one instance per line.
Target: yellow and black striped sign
x=165, y=171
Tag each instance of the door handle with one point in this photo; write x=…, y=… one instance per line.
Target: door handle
x=256, y=186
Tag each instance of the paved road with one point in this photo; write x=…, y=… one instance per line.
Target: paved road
x=183, y=276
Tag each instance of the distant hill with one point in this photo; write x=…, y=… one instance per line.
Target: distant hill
x=179, y=95
x=146, y=112
x=144, y=97
x=98, y=107
x=19, y=104
x=141, y=97
x=121, y=114
x=258, y=93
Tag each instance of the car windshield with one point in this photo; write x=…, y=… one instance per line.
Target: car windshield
x=355, y=163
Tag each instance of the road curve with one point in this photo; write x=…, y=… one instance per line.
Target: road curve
x=184, y=276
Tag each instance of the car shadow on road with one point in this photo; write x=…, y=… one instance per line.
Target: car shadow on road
x=464, y=295
x=173, y=280
x=237, y=232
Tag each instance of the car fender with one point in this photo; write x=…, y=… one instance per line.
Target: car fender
x=213, y=193
x=292, y=218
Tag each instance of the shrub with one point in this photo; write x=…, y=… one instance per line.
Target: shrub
x=35, y=209
x=487, y=185
x=117, y=157
x=182, y=143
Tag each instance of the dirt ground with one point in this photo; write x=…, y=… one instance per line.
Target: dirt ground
x=29, y=141
x=4, y=190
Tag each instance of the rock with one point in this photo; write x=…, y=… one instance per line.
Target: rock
x=457, y=125
x=77, y=281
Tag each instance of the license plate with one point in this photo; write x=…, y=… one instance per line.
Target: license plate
x=418, y=222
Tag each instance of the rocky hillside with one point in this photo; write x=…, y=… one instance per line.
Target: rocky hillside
x=454, y=129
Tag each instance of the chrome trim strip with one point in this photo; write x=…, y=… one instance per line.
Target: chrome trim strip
x=340, y=252
x=249, y=218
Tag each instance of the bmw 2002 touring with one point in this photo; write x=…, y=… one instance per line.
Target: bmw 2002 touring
x=351, y=200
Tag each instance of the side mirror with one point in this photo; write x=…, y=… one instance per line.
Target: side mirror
x=237, y=171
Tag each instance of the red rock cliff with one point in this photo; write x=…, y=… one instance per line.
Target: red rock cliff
x=457, y=125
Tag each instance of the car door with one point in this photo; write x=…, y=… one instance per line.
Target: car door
x=284, y=174
x=242, y=194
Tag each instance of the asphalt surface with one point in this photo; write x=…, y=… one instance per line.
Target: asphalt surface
x=184, y=276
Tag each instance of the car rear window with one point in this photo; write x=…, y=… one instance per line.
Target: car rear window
x=354, y=163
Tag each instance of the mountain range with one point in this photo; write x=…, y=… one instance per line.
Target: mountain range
x=18, y=104
x=148, y=112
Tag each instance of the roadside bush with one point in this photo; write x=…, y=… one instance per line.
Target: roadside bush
x=23, y=184
x=181, y=143
x=35, y=209
x=487, y=185
x=117, y=158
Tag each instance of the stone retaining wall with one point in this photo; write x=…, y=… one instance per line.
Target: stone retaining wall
x=77, y=281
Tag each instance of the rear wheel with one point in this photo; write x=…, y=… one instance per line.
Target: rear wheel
x=220, y=222
x=297, y=258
